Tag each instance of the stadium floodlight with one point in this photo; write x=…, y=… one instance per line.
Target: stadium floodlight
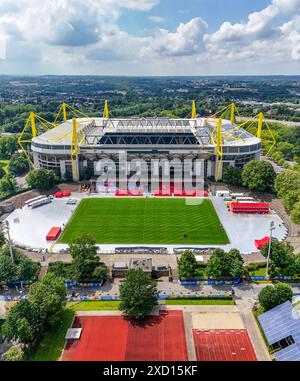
x=6, y=230
x=272, y=227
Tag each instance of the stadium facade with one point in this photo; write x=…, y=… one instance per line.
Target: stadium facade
x=78, y=143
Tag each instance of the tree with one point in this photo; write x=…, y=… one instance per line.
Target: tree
x=27, y=270
x=286, y=182
x=258, y=175
x=2, y=172
x=59, y=269
x=8, y=184
x=8, y=145
x=19, y=323
x=295, y=214
x=48, y=298
x=2, y=240
x=18, y=165
x=86, y=265
x=281, y=253
x=232, y=175
x=138, y=294
x=271, y=296
x=222, y=264
x=14, y=353
x=187, y=264
x=291, y=198
x=22, y=269
x=8, y=271
x=41, y=179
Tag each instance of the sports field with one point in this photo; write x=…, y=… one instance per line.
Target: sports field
x=223, y=345
x=146, y=221
x=115, y=338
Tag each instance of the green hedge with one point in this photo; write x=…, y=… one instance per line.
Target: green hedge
x=19, y=191
x=205, y=297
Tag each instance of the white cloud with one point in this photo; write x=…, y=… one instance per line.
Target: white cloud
x=186, y=40
x=85, y=35
x=157, y=19
x=291, y=32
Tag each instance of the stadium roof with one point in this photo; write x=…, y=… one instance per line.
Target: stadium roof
x=90, y=130
x=282, y=329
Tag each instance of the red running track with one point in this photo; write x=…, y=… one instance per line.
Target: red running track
x=223, y=345
x=114, y=338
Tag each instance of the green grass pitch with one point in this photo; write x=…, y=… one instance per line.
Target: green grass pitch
x=146, y=221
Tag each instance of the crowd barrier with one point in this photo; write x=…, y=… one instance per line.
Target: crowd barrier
x=209, y=282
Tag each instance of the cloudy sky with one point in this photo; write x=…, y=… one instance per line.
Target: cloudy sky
x=150, y=37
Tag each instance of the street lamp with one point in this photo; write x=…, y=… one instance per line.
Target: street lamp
x=272, y=227
x=6, y=229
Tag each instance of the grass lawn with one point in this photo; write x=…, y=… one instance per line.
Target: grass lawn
x=146, y=221
x=259, y=272
x=92, y=305
x=174, y=302
x=52, y=345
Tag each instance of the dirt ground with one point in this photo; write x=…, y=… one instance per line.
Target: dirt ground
x=19, y=200
x=217, y=320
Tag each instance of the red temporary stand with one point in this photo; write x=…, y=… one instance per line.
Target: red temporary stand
x=251, y=207
x=53, y=234
x=190, y=193
x=66, y=193
x=58, y=195
x=260, y=243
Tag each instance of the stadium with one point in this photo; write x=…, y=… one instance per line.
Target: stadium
x=71, y=145
x=161, y=217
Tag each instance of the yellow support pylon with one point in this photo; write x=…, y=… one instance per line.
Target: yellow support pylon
x=232, y=113
x=33, y=127
x=219, y=150
x=105, y=111
x=260, y=124
x=64, y=110
x=74, y=148
x=194, y=111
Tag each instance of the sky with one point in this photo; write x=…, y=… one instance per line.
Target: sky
x=150, y=37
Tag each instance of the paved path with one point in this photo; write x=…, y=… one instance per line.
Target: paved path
x=245, y=308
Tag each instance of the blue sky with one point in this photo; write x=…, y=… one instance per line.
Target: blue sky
x=150, y=37
x=176, y=11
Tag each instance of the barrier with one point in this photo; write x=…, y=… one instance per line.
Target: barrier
x=210, y=282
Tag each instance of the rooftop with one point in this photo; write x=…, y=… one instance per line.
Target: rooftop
x=91, y=130
x=282, y=329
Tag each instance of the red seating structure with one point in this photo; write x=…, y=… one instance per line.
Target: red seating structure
x=53, y=234
x=190, y=193
x=126, y=192
x=179, y=193
x=249, y=207
x=260, y=243
x=65, y=193
x=201, y=193
x=122, y=192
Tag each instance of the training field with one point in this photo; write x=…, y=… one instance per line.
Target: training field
x=223, y=345
x=115, y=338
x=146, y=221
